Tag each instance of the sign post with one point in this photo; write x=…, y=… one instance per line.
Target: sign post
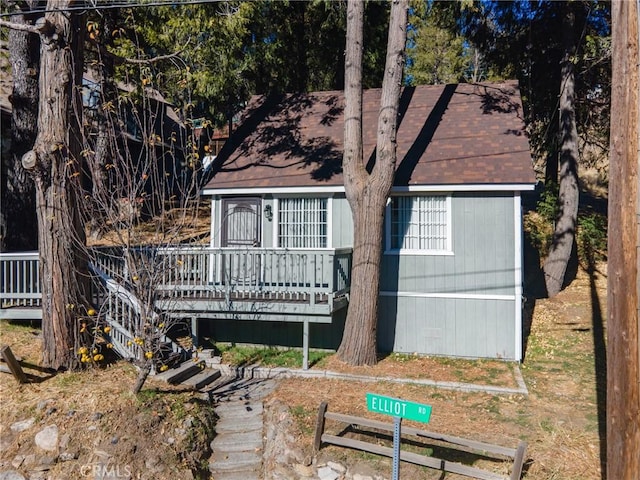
x=399, y=409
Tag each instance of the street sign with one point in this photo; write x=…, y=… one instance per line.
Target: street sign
x=398, y=408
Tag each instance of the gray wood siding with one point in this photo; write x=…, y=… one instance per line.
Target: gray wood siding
x=342, y=226
x=461, y=304
x=483, y=253
x=474, y=328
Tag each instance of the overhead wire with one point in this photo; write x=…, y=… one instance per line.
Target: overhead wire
x=111, y=5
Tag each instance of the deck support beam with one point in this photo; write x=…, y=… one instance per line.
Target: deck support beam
x=194, y=331
x=305, y=345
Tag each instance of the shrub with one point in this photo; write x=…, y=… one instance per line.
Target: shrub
x=592, y=238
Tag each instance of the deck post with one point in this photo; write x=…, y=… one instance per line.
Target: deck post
x=194, y=331
x=305, y=345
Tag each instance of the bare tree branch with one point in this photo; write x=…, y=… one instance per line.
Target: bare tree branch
x=21, y=26
x=138, y=61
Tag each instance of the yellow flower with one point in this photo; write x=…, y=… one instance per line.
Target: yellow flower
x=161, y=325
x=109, y=345
x=94, y=351
x=148, y=355
x=91, y=312
x=83, y=350
x=164, y=368
x=129, y=343
x=98, y=357
x=107, y=329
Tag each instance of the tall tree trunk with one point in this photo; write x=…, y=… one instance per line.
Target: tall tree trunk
x=18, y=191
x=623, y=345
x=368, y=192
x=563, y=240
x=53, y=164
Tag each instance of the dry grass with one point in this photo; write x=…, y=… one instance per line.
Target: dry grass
x=96, y=411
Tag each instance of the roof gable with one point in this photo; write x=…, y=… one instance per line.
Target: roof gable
x=461, y=134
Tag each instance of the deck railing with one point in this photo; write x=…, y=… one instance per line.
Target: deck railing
x=277, y=274
x=200, y=272
x=20, y=283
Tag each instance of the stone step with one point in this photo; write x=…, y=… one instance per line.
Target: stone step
x=234, y=461
x=237, y=409
x=238, y=442
x=183, y=371
x=236, y=425
x=239, y=475
x=202, y=379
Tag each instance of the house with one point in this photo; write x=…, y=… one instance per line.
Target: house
x=452, y=267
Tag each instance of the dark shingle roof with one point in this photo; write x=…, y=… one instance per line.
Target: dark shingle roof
x=463, y=134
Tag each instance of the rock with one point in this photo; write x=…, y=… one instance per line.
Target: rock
x=326, y=473
x=23, y=425
x=47, y=438
x=17, y=461
x=71, y=413
x=114, y=440
x=51, y=411
x=96, y=416
x=42, y=404
x=68, y=456
x=92, y=428
x=29, y=460
x=363, y=471
x=11, y=475
x=336, y=467
x=359, y=476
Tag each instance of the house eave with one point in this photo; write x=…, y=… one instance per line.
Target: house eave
x=326, y=190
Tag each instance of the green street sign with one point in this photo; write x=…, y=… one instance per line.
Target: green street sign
x=398, y=408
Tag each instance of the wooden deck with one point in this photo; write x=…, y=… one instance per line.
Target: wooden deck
x=256, y=284
x=269, y=284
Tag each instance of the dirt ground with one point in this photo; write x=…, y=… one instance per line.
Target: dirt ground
x=561, y=418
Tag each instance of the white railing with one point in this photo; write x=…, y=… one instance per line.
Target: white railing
x=20, y=281
x=254, y=272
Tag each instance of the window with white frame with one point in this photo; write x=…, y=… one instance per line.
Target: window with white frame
x=302, y=222
x=419, y=223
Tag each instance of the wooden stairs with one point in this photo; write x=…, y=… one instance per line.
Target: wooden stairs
x=192, y=373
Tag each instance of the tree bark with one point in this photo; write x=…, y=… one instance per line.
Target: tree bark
x=143, y=374
x=56, y=169
x=366, y=192
x=18, y=191
x=623, y=349
x=555, y=266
